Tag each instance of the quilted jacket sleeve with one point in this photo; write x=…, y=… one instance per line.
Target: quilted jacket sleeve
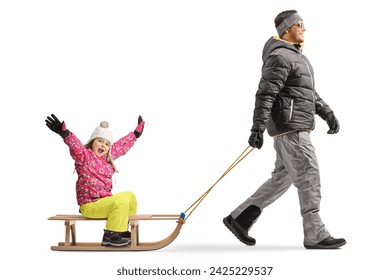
x=76, y=148
x=322, y=109
x=274, y=75
x=123, y=145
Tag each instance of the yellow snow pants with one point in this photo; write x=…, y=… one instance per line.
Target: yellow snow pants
x=115, y=209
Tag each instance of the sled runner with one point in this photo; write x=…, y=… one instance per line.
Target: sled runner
x=71, y=244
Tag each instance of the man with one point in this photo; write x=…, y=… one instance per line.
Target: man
x=286, y=104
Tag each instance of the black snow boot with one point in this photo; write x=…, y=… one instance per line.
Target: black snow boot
x=125, y=234
x=248, y=217
x=328, y=243
x=241, y=225
x=112, y=238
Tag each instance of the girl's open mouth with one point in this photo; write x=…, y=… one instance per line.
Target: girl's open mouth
x=100, y=150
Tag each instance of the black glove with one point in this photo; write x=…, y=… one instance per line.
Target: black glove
x=58, y=127
x=256, y=139
x=140, y=127
x=333, y=123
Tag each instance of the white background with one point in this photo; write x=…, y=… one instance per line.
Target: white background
x=191, y=68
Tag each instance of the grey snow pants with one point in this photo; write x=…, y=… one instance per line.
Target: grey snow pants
x=296, y=163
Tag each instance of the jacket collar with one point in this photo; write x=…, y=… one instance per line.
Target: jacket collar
x=298, y=46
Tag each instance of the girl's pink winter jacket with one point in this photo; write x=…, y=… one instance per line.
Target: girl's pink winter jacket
x=95, y=173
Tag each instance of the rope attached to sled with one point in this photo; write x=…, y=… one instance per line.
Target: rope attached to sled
x=200, y=199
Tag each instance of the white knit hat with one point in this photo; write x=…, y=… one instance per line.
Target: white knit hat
x=102, y=131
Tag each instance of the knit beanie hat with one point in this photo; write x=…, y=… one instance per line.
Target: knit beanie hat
x=285, y=20
x=102, y=131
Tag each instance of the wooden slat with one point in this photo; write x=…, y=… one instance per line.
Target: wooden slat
x=64, y=217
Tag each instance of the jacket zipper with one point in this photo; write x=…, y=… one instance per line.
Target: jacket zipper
x=311, y=79
x=291, y=109
x=312, y=86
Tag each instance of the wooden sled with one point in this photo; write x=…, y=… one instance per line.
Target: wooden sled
x=71, y=243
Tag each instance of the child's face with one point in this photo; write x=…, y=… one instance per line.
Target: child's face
x=100, y=147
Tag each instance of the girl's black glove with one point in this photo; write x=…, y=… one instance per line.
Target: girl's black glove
x=58, y=127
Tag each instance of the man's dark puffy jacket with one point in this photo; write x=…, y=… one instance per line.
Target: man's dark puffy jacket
x=286, y=99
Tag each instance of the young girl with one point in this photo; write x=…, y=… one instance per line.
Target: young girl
x=95, y=167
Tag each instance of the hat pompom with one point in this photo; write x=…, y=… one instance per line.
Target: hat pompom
x=104, y=124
